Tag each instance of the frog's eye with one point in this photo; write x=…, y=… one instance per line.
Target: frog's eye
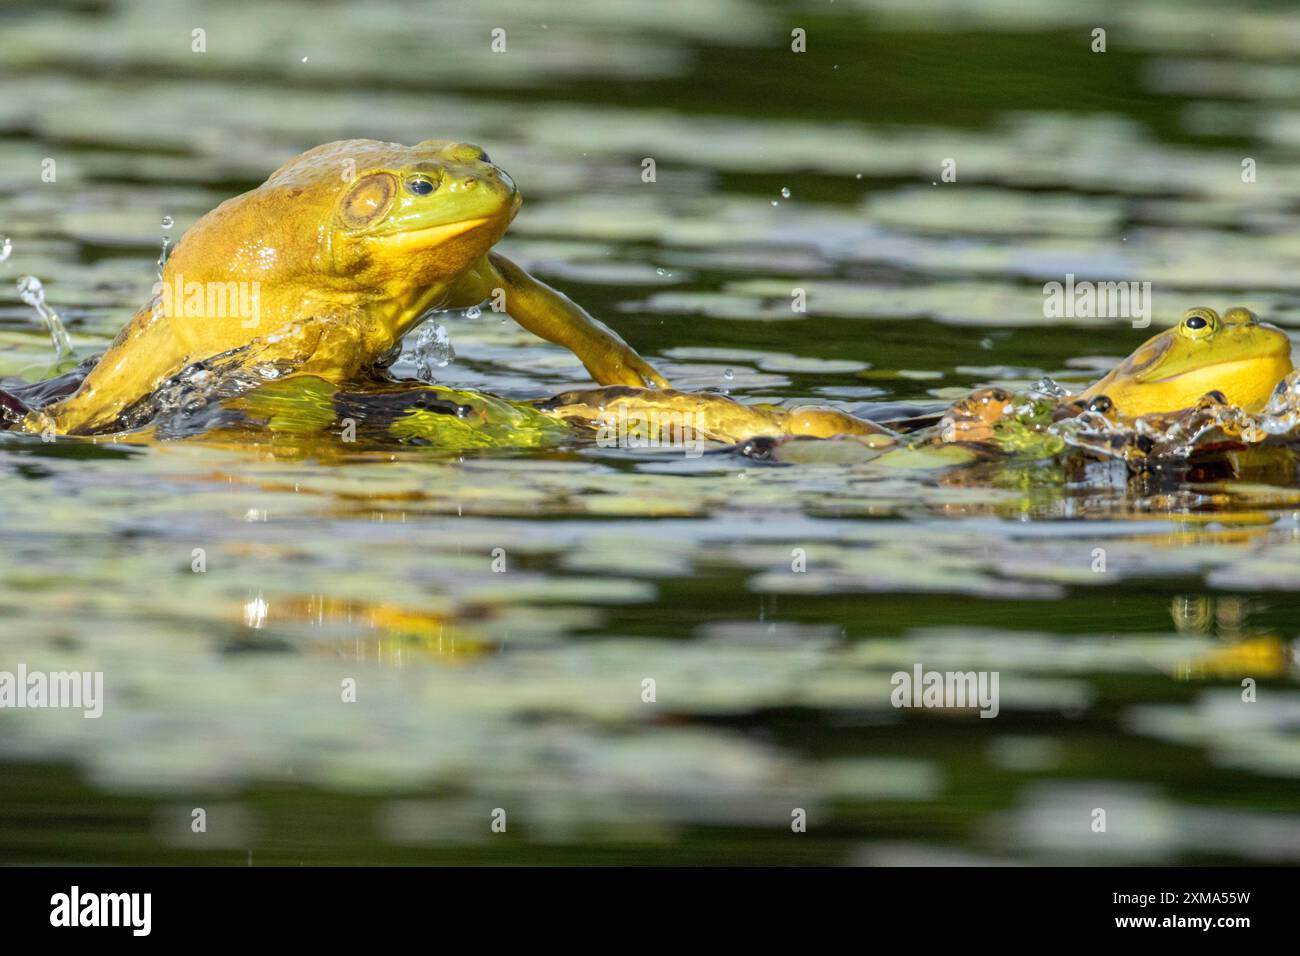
x=419, y=185
x=1198, y=323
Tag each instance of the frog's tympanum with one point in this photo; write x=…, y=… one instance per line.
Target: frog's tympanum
x=1236, y=355
x=326, y=265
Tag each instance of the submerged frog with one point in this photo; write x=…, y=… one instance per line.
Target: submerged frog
x=1235, y=355
x=1233, y=360
x=338, y=254
x=652, y=414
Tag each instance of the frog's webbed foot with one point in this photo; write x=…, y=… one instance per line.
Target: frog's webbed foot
x=623, y=366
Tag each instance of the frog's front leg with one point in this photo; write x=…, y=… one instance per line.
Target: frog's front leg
x=555, y=317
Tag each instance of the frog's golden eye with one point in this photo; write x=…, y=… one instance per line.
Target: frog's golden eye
x=419, y=185
x=368, y=200
x=1198, y=323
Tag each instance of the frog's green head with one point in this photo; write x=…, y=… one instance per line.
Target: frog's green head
x=419, y=214
x=1234, y=354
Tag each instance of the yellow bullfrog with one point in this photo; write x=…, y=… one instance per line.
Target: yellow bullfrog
x=326, y=265
x=1235, y=355
x=1230, y=360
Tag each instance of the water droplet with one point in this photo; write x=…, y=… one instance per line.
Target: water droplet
x=785, y=192
x=473, y=312
x=858, y=176
x=433, y=349
x=304, y=59
x=6, y=247
x=1049, y=387
x=728, y=374
x=168, y=222
x=32, y=293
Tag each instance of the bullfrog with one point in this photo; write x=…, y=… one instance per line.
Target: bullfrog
x=325, y=266
x=1233, y=360
x=1235, y=355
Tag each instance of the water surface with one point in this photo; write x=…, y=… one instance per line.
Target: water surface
x=522, y=689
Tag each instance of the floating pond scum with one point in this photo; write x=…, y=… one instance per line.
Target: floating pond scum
x=543, y=434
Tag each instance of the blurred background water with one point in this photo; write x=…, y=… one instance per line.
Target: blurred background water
x=479, y=690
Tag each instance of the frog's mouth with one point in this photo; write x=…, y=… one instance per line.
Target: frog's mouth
x=429, y=236
x=1228, y=369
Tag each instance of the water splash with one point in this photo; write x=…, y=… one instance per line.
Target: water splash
x=167, y=223
x=433, y=349
x=1043, y=422
x=162, y=257
x=32, y=293
x=1209, y=425
x=1048, y=387
x=1281, y=417
x=191, y=401
x=6, y=247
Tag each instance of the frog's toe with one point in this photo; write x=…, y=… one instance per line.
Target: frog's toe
x=641, y=374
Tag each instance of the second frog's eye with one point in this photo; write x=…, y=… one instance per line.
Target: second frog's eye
x=1199, y=323
x=419, y=185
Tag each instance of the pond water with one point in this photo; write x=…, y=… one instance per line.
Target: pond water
x=499, y=609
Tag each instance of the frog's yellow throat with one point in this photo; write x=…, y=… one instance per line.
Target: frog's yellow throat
x=1236, y=355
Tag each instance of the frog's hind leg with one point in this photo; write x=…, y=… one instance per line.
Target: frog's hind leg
x=142, y=356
